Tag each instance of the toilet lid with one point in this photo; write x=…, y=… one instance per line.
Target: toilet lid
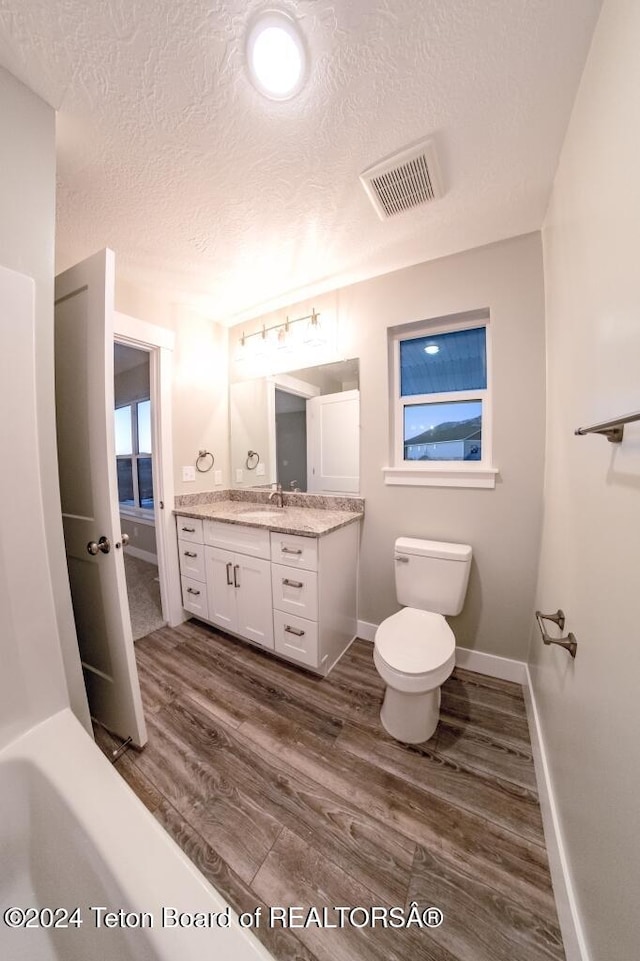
x=415, y=642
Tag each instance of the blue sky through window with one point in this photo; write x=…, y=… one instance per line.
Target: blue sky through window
x=419, y=418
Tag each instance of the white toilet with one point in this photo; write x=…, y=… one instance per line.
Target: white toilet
x=414, y=650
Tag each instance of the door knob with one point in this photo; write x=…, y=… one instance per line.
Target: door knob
x=104, y=545
x=125, y=540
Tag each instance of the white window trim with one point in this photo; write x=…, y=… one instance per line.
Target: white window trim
x=479, y=474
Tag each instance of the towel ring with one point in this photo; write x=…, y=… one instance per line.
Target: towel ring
x=254, y=456
x=202, y=455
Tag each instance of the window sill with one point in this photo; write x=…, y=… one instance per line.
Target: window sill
x=141, y=514
x=482, y=477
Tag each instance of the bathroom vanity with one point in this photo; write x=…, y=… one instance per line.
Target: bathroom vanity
x=282, y=578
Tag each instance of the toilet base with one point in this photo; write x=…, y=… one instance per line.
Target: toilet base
x=411, y=718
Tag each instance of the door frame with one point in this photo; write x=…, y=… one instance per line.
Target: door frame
x=290, y=385
x=159, y=344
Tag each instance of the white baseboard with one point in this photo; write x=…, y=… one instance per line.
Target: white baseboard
x=479, y=661
x=575, y=946
x=492, y=665
x=142, y=555
x=367, y=631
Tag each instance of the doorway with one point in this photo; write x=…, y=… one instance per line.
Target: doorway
x=156, y=345
x=136, y=467
x=291, y=439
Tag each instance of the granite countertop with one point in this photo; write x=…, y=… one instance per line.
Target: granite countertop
x=307, y=521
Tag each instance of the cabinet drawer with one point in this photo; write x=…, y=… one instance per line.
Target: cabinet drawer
x=236, y=537
x=295, y=551
x=194, y=597
x=295, y=592
x=191, y=560
x=189, y=529
x=296, y=637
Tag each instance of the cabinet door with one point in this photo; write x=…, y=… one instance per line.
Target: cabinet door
x=221, y=593
x=253, y=596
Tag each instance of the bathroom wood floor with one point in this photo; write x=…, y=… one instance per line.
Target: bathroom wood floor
x=284, y=790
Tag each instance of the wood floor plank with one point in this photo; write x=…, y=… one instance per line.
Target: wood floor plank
x=255, y=681
x=500, y=801
x=297, y=875
x=460, y=711
x=126, y=766
x=513, y=688
x=220, y=811
x=156, y=687
x=282, y=943
x=481, y=924
x=347, y=835
x=284, y=789
x=188, y=678
x=357, y=698
x=425, y=818
x=488, y=755
x=165, y=638
x=476, y=689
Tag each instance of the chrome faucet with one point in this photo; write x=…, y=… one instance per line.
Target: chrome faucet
x=277, y=495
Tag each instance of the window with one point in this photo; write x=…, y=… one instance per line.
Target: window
x=441, y=413
x=133, y=455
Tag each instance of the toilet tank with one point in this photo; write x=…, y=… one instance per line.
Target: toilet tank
x=431, y=575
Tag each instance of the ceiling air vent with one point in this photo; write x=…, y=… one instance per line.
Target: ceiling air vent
x=408, y=179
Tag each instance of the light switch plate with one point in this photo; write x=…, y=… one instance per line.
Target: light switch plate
x=218, y=477
x=238, y=475
x=260, y=470
x=188, y=474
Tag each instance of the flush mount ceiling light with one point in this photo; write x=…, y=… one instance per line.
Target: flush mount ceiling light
x=431, y=349
x=276, y=56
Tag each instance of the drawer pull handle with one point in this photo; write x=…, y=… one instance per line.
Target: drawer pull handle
x=291, y=550
x=229, y=581
x=191, y=590
x=190, y=554
x=293, y=630
x=189, y=530
x=285, y=580
x=236, y=568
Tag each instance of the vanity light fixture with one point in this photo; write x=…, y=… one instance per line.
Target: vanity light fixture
x=314, y=335
x=276, y=56
x=281, y=334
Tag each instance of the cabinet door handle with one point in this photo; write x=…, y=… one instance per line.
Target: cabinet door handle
x=285, y=580
x=190, y=554
x=291, y=550
x=293, y=630
x=189, y=530
x=229, y=581
x=190, y=590
x=236, y=568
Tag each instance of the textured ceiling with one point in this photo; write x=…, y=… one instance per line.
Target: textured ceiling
x=218, y=198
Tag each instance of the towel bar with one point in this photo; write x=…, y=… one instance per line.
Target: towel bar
x=569, y=643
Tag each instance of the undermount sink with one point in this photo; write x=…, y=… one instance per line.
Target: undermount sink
x=262, y=513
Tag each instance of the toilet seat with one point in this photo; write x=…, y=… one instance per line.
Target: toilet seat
x=414, y=650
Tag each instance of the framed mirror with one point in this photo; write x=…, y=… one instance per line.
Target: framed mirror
x=300, y=429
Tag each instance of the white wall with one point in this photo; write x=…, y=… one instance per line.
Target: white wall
x=502, y=525
x=27, y=201
x=200, y=401
x=590, y=561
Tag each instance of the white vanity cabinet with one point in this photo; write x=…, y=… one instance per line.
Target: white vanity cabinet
x=291, y=594
x=238, y=575
x=314, y=587
x=239, y=594
x=192, y=571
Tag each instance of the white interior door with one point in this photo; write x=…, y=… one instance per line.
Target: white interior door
x=333, y=442
x=88, y=488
